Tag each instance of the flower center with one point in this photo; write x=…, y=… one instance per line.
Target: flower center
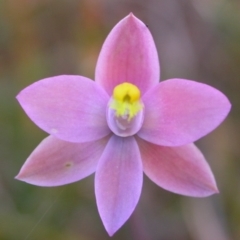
x=125, y=110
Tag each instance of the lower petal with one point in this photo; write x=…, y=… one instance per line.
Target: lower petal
x=118, y=182
x=55, y=162
x=181, y=170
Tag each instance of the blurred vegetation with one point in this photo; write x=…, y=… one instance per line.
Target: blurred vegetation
x=197, y=40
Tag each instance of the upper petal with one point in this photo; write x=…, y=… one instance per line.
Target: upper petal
x=128, y=55
x=72, y=108
x=55, y=162
x=180, y=111
x=181, y=170
x=118, y=182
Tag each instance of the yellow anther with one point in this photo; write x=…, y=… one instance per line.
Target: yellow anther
x=126, y=91
x=126, y=100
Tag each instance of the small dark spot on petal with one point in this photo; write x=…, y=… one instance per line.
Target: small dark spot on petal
x=68, y=164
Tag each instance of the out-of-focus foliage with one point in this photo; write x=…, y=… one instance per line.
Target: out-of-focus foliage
x=197, y=40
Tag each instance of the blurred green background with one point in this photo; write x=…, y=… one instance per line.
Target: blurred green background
x=197, y=40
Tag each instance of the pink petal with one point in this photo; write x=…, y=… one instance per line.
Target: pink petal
x=118, y=182
x=181, y=170
x=180, y=111
x=128, y=55
x=55, y=162
x=72, y=108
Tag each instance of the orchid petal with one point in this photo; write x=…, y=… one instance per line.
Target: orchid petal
x=55, y=162
x=179, y=112
x=72, y=108
x=118, y=182
x=128, y=55
x=182, y=170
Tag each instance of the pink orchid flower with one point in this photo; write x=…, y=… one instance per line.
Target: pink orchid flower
x=124, y=123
